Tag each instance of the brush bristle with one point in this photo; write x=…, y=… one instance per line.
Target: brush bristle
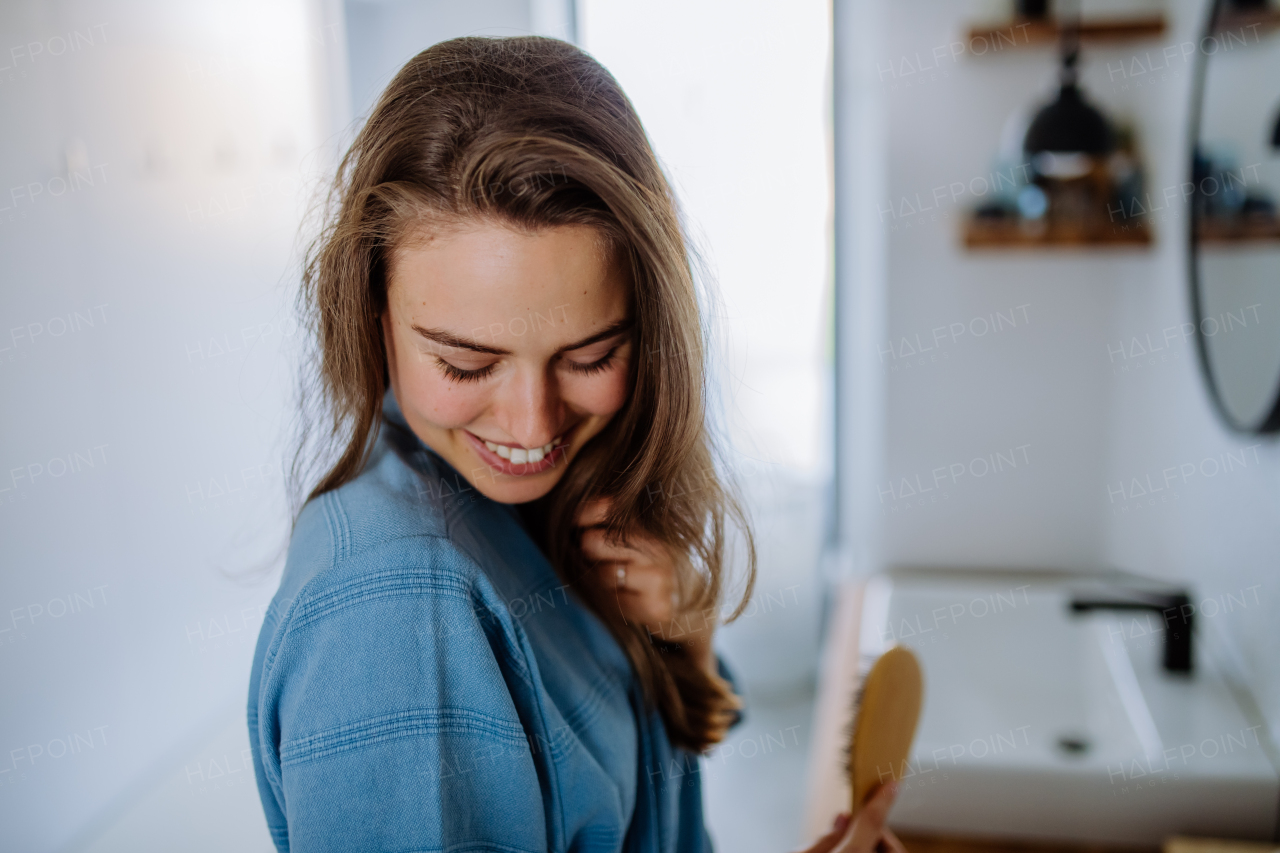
x=865, y=662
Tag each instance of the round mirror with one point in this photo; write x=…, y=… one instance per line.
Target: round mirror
x=1235, y=230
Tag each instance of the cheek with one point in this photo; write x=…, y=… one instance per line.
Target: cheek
x=442, y=402
x=601, y=395
x=450, y=406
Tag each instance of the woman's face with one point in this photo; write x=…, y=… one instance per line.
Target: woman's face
x=508, y=350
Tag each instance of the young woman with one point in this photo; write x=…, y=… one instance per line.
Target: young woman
x=493, y=632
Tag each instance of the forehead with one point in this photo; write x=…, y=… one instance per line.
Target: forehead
x=552, y=285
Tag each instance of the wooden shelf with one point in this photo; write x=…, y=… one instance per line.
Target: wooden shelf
x=1010, y=233
x=1235, y=21
x=1230, y=232
x=1036, y=32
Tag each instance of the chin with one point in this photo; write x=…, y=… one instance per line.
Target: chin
x=515, y=490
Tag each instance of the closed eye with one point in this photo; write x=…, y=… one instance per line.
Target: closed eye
x=595, y=366
x=458, y=374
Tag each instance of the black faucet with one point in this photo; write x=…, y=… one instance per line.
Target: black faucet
x=1177, y=610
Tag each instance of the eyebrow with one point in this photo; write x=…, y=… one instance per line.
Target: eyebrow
x=451, y=340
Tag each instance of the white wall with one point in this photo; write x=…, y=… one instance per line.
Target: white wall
x=1032, y=389
x=1217, y=529
x=385, y=34
x=1051, y=383
x=198, y=133
x=155, y=166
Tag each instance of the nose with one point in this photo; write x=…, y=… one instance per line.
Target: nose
x=529, y=407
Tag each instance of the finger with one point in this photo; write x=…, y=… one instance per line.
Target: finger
x=644, y=594
x=597, y=546
x=649, y=581
x=827, y=843
x=594, y=512
x=892, y=842
x=609, y=576
x=867, y=828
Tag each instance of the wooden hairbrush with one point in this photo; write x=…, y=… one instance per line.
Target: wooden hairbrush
x=886, y=709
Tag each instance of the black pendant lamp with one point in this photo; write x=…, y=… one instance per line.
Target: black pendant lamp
x=1070, y=124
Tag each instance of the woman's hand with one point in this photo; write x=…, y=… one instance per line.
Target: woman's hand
x=641, y=573
x=867, y=832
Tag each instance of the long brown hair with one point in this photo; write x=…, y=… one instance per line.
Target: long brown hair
x=534, y=133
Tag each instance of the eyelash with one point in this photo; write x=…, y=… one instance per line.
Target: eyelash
x=595, y=366
x=457, y=374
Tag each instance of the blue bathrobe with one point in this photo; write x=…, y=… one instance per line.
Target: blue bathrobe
x=425, y=682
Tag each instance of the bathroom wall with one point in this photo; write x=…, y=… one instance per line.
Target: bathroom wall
x=384, y=34
x=156, y=162
x=1012, y=403
x=1217, y=527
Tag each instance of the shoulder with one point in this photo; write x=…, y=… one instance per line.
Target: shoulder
x=380, y=614
x=383, y=537
x=394, y=510
x=380, y=610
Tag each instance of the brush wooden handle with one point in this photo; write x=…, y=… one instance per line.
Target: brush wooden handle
x=884, y=723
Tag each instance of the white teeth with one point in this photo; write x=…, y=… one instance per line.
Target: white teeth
x=519, y=455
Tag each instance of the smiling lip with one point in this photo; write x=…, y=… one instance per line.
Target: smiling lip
x=518, y=469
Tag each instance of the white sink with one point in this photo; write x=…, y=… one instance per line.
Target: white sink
x=1042, y=724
